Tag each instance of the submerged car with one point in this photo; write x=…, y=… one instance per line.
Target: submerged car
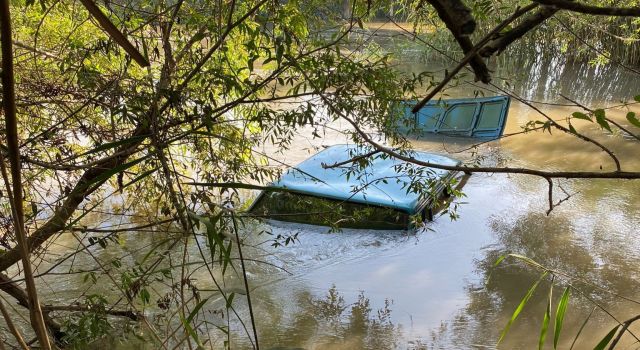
x=385, y=193
x=482, y=117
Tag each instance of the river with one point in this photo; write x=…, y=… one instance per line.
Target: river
x=439, y=288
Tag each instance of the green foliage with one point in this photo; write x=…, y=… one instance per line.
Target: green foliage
x=580, y=115
x=607, y=338
x=601, y=119
x=545, y=320
x=631, y=117
x=561, y=309
x=521, y=306
x=82, y=329
x=560, y=312
x=102, y=134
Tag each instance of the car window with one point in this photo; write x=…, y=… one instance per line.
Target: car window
x=295, y=207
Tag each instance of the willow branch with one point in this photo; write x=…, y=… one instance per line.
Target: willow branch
x=627, y=131
x=130, y=314
x=114, y=33
x=11, y=124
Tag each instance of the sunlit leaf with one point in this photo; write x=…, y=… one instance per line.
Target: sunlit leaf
x=523, y=302
x=545, y=320
x=580, y=115
x=527, y=260
x=607, y=338
x=499, y=260
x=560, y=311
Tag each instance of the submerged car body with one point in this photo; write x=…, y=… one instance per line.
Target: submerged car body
x=379, y=195
x=482, y=117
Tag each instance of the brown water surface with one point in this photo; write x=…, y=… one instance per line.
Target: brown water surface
x=438, y=288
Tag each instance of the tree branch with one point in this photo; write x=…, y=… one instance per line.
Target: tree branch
x=449, y=13
x=114, y=33
x=130, y=314
x=470, y=54
x=500, y=43
x=16, y=200
x=592, y=10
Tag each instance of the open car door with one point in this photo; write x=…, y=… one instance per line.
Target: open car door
x=470, y=117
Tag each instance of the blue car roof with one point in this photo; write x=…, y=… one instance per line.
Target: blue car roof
x=312, y=178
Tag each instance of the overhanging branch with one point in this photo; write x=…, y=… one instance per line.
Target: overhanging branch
x=592, y=10
x=460, y=23
x=114, y=33
x=500, y=43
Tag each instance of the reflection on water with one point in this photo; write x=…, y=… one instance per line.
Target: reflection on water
x=446, y=292
x=330, y=322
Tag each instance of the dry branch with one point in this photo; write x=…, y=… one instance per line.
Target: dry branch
x=12, y=327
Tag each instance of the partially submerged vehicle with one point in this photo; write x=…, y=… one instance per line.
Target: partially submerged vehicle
x=329, y=189
x=483, y=117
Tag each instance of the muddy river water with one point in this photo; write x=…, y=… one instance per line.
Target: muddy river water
x=438, y=288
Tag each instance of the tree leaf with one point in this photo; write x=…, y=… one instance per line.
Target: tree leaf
x=196, y=309
x=192, y=333
x=637, y=98
x=229, y=300
x=523, y=302
x=607, y=338
x=631, y=117
x=145, y=296
x=545, y=320
x=500, y=260
x=602, y=119
x=580, y=115
x=560, y=311
x=527, y=260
